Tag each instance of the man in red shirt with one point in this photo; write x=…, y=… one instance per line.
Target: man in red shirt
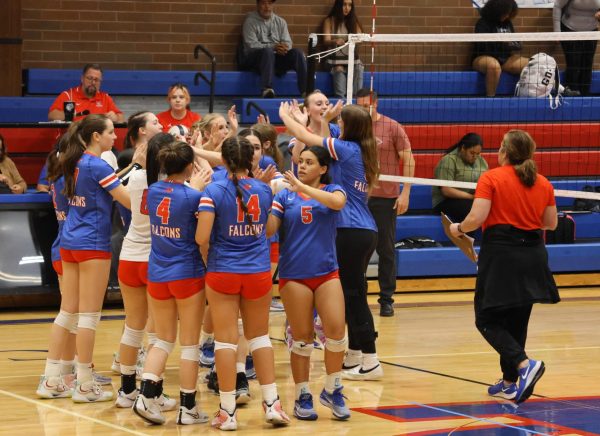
x=87, y=97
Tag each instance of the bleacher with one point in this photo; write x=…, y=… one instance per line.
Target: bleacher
x=433, y=106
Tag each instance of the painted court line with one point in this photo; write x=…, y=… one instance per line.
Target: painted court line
x=68, y=412
x=474, y=353
x=491, y=421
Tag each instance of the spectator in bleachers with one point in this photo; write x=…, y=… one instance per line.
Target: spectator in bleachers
x=386, y=201
x=577, y=16
x=491, y=58
x=179, y=112
x=461, y=163
x=337, y=25
x=10, y=179
x=87, y=97
x=267, y=48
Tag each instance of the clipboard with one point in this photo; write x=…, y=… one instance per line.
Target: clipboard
x=465, y=242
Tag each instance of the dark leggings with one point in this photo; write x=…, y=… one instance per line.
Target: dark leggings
x=354, y=249
x=579, y=56
x=506, y=331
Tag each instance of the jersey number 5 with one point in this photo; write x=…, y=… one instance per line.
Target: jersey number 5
x=253, y=207
x=306, y=213
x=162, y=211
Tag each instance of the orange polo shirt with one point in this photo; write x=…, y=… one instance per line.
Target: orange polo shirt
x=101, y=103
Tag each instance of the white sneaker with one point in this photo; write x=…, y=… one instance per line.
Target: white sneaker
x=52, y=387
x=191, y=416
x=116, y=365
x=90, y=392
x=148, y=410
x=166, y=403
x=224, y=421
x=125, y=401
x=358, y=373
x=274, y=413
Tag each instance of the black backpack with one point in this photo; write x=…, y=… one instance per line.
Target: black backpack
x=565, y=231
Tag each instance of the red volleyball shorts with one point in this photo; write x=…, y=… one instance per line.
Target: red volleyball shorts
x=274, y=252
x=78, y=256
x=249, y=286
x=314, y=283
x=178, y=289
x=133, y=274
x=57, y=265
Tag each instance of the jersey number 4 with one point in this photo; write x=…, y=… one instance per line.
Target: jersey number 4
x=253, y=207
x=163, y=210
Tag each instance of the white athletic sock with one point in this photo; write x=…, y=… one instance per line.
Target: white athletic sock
x=333, y=381
x=52, y=368
x=353, y=357
x=151, y=377
x=206, y=337
x=128, y=369
x=370, y=360
x=227, y=401
x=302, y=388
x=66, y=367
x=84, y=372
x=240, y=367
x=269, y=393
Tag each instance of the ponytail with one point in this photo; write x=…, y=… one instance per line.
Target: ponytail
x=76, y=145
x=519, y=147
x=157, y=143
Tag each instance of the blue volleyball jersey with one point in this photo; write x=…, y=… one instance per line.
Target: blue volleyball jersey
x=43, y=177
x=348, y=170
x=310, y=229
x=235, y=245
x=219, y=173
x=265, y=161
x=174, y=254
x=61, y=208
x=88, y=225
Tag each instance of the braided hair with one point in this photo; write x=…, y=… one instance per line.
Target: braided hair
x=237, y=154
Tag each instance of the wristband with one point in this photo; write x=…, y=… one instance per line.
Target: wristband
x=137, y=166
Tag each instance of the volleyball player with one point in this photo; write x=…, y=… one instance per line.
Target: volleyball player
x=90, y=186
x=175, y=283
x=355, y=168
x=233, y=215
x=308, y=211
x=133, y=274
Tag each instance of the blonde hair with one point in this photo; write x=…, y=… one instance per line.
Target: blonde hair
x=181, y=87
x=206, y=122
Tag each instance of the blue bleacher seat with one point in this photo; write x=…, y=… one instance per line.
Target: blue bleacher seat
x=459, y=110
x=24, y=109
x=130, y=82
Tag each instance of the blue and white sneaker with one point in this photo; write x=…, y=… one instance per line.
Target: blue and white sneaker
x=304, y=409
x=500, y=390
x=528, y=377
x=276, y=305
x=335, y=401
x=207, y=354
x=250, y=370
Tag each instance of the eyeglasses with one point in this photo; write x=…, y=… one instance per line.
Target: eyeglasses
x=93, y=79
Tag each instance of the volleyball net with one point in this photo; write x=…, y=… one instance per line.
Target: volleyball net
x=426, y=83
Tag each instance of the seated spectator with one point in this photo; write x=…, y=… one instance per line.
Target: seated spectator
x=267, y=48
x=179, y=112
x=491, y=58
x=87, y=97
x=462, y=163
x=337, y=25
x=10, y=179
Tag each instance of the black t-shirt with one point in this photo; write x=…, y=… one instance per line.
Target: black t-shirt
x=499, y=50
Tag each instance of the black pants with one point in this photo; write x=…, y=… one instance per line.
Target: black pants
x=384, y=214
x=580, y=59
x=506, y=331
x=267, y=63
x=354, y=249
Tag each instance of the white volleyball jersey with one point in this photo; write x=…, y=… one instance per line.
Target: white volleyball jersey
x=136, y=245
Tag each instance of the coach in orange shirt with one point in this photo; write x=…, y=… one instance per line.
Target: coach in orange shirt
x=514, y=204
x=87, y=97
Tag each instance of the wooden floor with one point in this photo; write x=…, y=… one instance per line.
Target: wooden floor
x=437, y=369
